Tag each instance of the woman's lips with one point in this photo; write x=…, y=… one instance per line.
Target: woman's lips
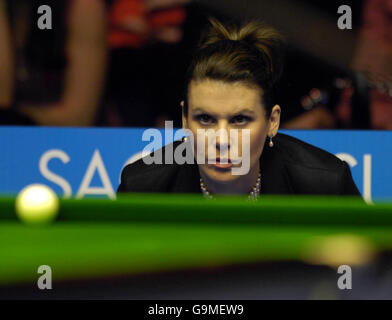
x=226, y=164
x=223, y=165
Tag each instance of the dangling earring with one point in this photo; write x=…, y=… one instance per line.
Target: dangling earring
x=271, y=144
x=185, y=139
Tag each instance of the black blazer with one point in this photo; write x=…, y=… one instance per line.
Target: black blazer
x=291, y=166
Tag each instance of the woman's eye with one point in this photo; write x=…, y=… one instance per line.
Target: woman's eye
x=205, y=119
x=240, y=120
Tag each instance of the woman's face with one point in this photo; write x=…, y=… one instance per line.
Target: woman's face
x=225, y=106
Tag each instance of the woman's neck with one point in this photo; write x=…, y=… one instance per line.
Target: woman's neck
x=242, y=185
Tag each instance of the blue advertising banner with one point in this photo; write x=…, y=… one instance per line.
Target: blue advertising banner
x=84, y=162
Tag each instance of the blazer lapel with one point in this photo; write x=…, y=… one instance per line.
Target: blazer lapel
x=187, y=179
x=274, y=175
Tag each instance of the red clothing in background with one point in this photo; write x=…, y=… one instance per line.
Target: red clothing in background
x=133, y=24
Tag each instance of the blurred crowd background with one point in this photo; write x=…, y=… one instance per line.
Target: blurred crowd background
x=122, y=62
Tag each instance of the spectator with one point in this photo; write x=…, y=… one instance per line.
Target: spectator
x=54, y=77
x=151, y=44
x=374, y=58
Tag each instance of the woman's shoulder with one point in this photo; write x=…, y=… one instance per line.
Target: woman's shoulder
x=299, y=152
x=146, y=176
x=155, y=173
x=312, y=170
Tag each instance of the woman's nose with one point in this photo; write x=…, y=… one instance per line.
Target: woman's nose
x=222, y=138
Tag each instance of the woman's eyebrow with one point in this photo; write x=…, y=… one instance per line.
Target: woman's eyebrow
x=200, y=110
x=245, y=110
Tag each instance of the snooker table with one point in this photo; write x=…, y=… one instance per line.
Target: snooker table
x=160, y=246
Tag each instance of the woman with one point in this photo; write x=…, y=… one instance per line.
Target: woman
x=230, y=85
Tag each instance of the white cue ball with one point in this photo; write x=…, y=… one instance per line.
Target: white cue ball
x=37, y=204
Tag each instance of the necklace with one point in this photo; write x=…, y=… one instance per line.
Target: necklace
x=253, y=194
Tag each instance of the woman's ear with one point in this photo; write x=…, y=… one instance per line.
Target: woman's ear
x=274, y=121
x=184, y=120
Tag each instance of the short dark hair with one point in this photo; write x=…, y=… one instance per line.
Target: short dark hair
x=252, y=53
